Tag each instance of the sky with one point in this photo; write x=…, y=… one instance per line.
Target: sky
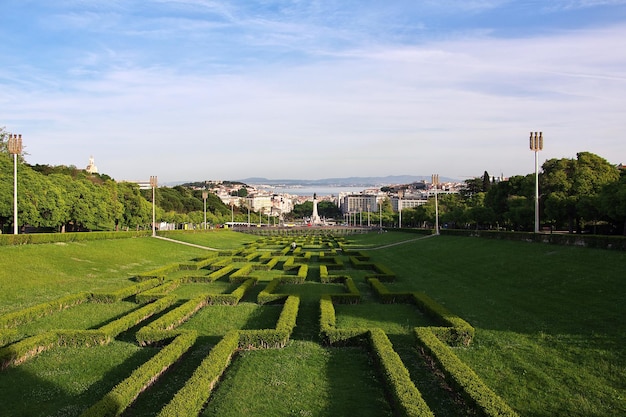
x=193, y=90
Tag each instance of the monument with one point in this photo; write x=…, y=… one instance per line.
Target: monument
x=315, y=217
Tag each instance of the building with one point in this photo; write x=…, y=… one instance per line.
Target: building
x=359, y=203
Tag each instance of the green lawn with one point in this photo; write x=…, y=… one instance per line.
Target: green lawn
x=550, y=332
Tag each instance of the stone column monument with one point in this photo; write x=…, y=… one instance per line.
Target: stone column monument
x=315, y=217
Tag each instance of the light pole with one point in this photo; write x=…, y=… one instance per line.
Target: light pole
x=15, y=148
x=536, y=145
x=368, y=215
x=435, y=181
x=153, y=184
x=400, y=195
x=205, y=194
x=380, y=215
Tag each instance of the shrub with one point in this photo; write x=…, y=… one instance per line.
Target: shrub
x=405, y=395
x=466, y=380
x=28, y=314
x=122, y=293
x=190, y=399
x=122, y=395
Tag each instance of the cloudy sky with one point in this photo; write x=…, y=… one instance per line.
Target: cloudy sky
x=210, y=89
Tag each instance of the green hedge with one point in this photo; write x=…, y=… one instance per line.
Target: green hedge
x=406, y=397
x=267, y=294
x=190, y=399
x=565, y=239
x=159, y=273
x=157, y=292
x=160, y=329
x=466, y=380
x=329, y=333
x=234, y=297
x=122, y=395
x=122, y=293
x=37, y=238
x=29, y=314
x=273, y=338
x=458, y=333
x=25, y=349
x=222, y=272
x=124, y=323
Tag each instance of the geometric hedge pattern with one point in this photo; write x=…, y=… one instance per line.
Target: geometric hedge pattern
x=276, y=271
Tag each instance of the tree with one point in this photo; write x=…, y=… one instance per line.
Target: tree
x=612, y=202
x=571, y=187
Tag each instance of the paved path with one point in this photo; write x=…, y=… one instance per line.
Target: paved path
x=376, y=248
x=186, y=243
x=399, y=243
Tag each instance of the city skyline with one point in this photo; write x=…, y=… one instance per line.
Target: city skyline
x=199, y=89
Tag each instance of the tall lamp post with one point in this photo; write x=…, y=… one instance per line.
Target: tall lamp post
x=15, y=149
x=435, y=181
x=400, y=195
x=153, y=184
x=536, y=145
x=380, y=215
x=205, y=194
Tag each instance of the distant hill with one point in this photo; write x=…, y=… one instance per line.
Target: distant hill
x=343, y=182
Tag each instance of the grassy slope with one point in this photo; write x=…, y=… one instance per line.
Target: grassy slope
x=549, y=319
x=32, y=274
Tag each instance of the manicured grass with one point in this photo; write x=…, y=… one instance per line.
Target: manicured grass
x=549, y=319
x=303, y=379
x=550, y=333
x=65, y=381
x=217, y=239
x=217, y=320
x=32, y=274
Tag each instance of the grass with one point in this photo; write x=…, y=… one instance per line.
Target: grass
x=549, y=328
x=303, y=379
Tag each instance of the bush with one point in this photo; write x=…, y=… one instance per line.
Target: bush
x=466, y=380
x=406, y=397
x=28, y=314
x=122, y=293
x=190, y=399
x=37, y=238
x=122, y=395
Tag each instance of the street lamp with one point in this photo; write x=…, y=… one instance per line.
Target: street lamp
x=400, y=195
x=205, y=194
x=536, y=145
x=380, y=215
x=368, y=214
x=15, y=148
x=153, y=184
x=435, y=181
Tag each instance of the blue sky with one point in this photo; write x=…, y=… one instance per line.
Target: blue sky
x=203, y=89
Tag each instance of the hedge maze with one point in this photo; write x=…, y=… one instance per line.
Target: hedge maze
x=167, y=309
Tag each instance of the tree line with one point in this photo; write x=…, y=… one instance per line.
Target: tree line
x=580, y=194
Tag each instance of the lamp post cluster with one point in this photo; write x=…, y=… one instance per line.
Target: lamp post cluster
x=536, y=145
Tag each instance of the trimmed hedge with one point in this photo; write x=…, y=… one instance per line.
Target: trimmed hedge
x=273, y=338
x=460, y=332
x=122, y=395
x=406, y=397
x=29, y=314
x=37, y=238
x=124, y=323
x=190, y=399
x=25, y=349
x=222, y=272
x=234, y=297
x=329, y=333
x=160, y=329
x=466, y=380
x=267, y=294
x=122, y=293
x=588, y=241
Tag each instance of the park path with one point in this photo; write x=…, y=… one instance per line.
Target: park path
x=402, y=242
x=375, y=248
x=186, y=243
